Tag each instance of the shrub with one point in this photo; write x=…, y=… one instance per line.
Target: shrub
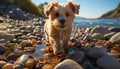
x=28, y=6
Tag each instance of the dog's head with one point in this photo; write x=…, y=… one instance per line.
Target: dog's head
x=61, y=15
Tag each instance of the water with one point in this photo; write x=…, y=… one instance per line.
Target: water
x=83, y=22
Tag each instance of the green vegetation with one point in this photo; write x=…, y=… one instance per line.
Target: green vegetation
x=118, y=8
x=113, y=13
x=28, y=6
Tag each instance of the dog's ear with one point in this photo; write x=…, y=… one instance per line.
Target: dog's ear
x=74, y=7
x=48, y=8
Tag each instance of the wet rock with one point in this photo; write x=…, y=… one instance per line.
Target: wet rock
x=109, y=35
x=30, y=28
x=12, y=57
x=6, y=36
x=77, y=44
x=47, y=66
x=25, y=32
x=16, y=31
x=108, y=62
x=97, y=52
x=85, y=49
x=98, y=36
x=22, y=28
x=30, y=64
x=2, y=41
x=87, y=37
x=26, y=43
x=115, y=38
x=2, y=49
x=1, y=18
x=77, y=56
x=2, y=63
x=99, y=29
x=19, y=64
x=114, y=29
x=88, y=65
x=8, y=66
x=68, y=64
x=18, y=34
x=10, y=26
x=32, y=37
x=19, y=41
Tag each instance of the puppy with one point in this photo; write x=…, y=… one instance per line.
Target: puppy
x=58, y=26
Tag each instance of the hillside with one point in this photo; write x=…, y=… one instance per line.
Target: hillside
x=20, y=9
x=113, y=13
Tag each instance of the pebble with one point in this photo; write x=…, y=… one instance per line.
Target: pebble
x=68, y=64
x=2, y=49
x=100, y=29
x=97, y=52
x=115, y=38
x=108, y=62
x=109, y=35
x=98, y=36
x=2, y=63
x=77, y=56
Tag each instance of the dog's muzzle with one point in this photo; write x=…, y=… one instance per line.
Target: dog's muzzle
x=62, y=21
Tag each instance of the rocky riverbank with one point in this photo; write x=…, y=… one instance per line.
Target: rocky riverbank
x=22, y=45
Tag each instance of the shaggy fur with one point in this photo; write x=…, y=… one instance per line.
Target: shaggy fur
x=58, y=26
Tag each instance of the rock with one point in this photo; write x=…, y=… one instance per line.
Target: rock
x=26, y=43
x=68, y=64
x=115, y=38
x=8, y=66
x=98, y=36
x=97, y=52
x=114, y=29
x=108, y=62
x=22, y=28
x=15, y=12
x=2, y=63
x=25, y=32
x=87, y=37
x=18, y=34
x=10, y=26
x=99, y=29
x=30, y=64
x=19, y=64
x=77, y=44
x=88, y=65
x=109, y=35
x=77, y=56
x=1, y=18
x=2, y=49
x=47, y=66
x=30, y=28
x=85, y=48
x=16, y=31
x=6, y=36
x=2, y=41
x=12, y=57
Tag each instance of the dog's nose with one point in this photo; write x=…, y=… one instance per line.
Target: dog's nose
x=62, y=21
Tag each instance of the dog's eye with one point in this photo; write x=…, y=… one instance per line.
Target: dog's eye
x=67, y=14
x=57, y=14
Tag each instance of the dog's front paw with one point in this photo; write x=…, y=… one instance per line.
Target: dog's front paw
x=58, y=50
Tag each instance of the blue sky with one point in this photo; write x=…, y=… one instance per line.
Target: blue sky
x=89, y=8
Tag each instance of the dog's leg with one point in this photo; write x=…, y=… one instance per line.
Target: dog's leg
x=46, y=38
x=65, y=43
x=56, y=45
